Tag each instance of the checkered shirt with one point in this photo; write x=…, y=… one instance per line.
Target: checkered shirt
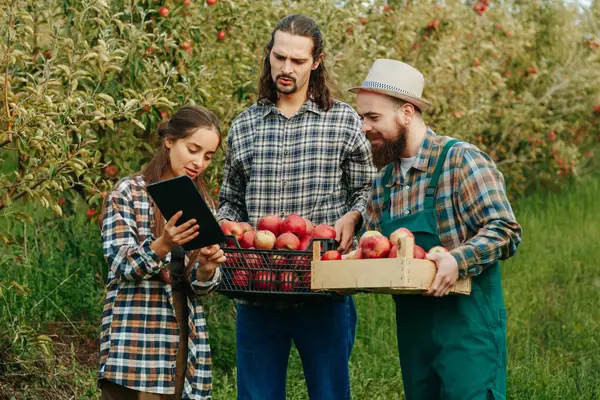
x=316, y=164
x=475, y=219
x=140, y=336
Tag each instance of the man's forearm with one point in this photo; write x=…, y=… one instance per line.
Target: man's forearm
x=496, y=241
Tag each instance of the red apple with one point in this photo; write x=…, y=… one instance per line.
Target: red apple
x=279, y=261
x=288, y=280
x=246, y=227
x=264, y=240
x=248, y=239
x=300, y=262
x=232, y=228
x=211, y=2
x=305, y=280
x=240, y=278
x=309, y=226
x=419, y=252
x=400, y=233
x=265, y=280
x=295, y=224
x=331, y=255
x=233, y=258
x=394, y=252
x=323, y=232
x=287, y=241
x=254, y=261
x=111, y=171
x=164, y=12
x=270, y=223
x=305, y=242
x=354, y=254
x=438, y=249
x=370, y=233
x=221, y=35
x=375, y=247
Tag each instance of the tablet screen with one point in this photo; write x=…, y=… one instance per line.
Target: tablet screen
x=181, y=194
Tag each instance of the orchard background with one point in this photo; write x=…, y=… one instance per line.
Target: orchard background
x=85, y=83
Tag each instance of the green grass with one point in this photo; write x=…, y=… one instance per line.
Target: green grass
x=552, y=291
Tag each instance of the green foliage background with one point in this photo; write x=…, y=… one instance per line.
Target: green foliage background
x=83, y=85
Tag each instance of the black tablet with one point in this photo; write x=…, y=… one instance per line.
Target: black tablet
x=181, y=194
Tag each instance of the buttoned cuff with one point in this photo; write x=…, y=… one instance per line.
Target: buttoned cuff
x=204, y=287
x=466, y=260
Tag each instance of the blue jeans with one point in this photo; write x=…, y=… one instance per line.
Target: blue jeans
x=323, y=334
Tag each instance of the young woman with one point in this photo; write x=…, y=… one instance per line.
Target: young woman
x=154, y=342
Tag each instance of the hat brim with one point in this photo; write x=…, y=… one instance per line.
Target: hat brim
x=421, y=103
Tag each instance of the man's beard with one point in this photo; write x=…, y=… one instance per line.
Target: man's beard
x=287, y=89
x=391, y=149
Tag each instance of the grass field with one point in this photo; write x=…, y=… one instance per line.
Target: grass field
x=552, y=291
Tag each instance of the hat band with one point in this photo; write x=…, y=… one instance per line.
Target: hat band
x=385, y=86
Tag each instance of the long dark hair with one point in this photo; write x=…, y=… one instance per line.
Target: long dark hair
x=184, y=123
x=300, y=25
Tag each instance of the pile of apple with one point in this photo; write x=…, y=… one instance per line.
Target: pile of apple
x=374, y=244
x=273, y=233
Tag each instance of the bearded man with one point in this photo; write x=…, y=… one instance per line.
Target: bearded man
x=448, y=193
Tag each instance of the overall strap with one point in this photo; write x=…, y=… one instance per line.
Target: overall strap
x=385, y=213
x=433, y=182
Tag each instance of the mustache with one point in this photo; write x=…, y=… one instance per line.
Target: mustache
x=371, y=135
x=285, y=76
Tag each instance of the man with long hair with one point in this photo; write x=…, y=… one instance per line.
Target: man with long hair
x=296, y=151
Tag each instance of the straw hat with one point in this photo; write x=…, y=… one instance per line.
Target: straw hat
x=396, y=79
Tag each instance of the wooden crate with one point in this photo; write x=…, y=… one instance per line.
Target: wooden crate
x=403, y=274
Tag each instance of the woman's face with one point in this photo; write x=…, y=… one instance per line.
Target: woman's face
x=191, y=155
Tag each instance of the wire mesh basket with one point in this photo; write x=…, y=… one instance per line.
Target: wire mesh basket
x=252, y=273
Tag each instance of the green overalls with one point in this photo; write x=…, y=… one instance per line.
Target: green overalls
x=451, y=347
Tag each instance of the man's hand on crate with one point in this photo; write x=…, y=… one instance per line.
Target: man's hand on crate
x=345, y=228
x=446, y=276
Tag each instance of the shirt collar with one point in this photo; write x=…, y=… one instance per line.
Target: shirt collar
x=421, y=161
x=308, y=105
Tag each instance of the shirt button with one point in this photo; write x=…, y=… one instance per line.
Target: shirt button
x=406, y=212
x=283, y=182
x=285, y=152
x=406, y=187
x=282, y=215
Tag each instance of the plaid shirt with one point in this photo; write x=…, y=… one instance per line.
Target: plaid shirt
x=316, y=164
x=475, y=219
x=140, y=336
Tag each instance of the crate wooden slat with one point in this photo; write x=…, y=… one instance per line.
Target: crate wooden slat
x=403, y=274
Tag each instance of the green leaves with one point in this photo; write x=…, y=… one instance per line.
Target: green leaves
x=89, y=83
